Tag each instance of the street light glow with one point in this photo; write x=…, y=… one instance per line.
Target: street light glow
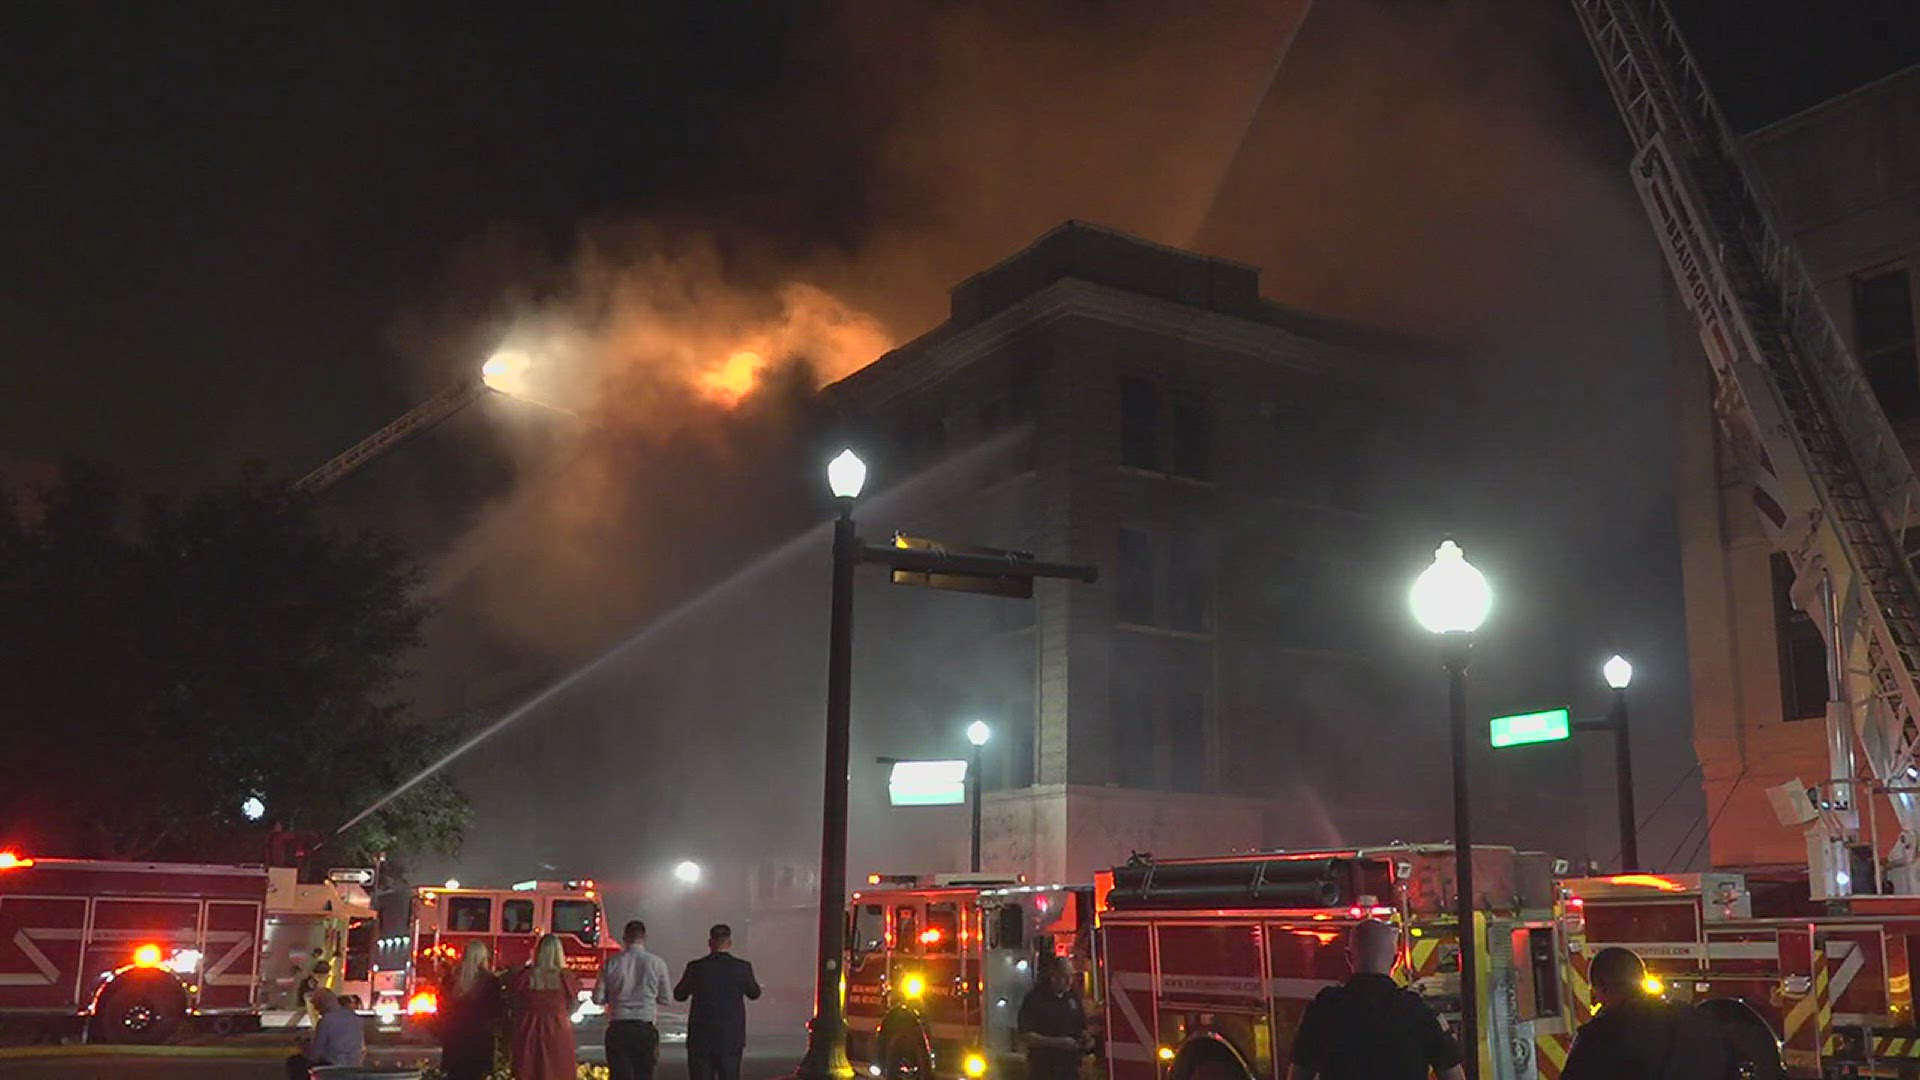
x=253, y=809
x=846, y=475
x=687, y=872
x=978, y=733
x=1451, y=597
x=503, y=370
x=1618, y=672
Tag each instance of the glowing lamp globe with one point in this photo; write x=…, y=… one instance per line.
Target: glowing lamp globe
x=1618, y=672
x=253, y=809
x=1451, y=597
x=846, y=475
x=978, y=733
x=687, y=872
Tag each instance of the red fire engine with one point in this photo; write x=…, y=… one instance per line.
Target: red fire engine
x=511, y=921
x=1210, y=963
x=131, y=950
x=1829, y=983
x=938, y=968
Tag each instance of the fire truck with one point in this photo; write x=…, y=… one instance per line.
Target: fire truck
x=1195, y=968
x=937, y=969
x=1209, y=964
x=333, y=919
x=130, y=951
x=511, y=922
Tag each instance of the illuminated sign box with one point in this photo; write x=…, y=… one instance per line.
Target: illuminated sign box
x=1551, y=725
x=927, y=783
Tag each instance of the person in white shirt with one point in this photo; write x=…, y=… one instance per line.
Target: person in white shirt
x=339, y=1038
x=633, y=985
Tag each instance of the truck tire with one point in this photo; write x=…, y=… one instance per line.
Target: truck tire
x=1755, y=1050
x=141, y=1006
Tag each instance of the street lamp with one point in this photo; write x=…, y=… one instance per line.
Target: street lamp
x=977, y=733
x=1619, y=675
x=254, y=808
x=826, y=1057
x=687, y=872
x=1451, y=599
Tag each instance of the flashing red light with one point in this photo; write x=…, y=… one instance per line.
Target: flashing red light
x=147, y=956
x=1578, y=902
x=1355, y=912
x=11, y=860
x=424, y=1003
x=931, y=936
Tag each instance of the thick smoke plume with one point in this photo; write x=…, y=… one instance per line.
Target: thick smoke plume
x=1445, y=169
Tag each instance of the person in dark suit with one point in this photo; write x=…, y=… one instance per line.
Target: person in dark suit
x=720, y=985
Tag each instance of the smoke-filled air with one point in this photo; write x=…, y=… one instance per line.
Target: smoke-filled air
x=1438, y=170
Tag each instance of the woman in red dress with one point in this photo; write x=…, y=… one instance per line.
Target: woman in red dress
x=542, y=1006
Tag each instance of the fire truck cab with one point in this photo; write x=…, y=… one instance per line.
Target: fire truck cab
x=1803, y=988
x=1210, y=963
x=511, y=922
x=937, y=970
x=130, y=951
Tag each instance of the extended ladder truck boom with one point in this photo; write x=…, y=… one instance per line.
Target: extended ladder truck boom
x=1835, y=490
x=408, y=424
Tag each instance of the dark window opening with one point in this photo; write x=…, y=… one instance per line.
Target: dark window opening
x=1883, y=336
x=1139, y=424
x=581, y=918
x=1192, y=449
x=1190, y=587
x=1134, y=578
x=1134, y=744
x=516, y=917
x=469, y=914
x=1803, y=650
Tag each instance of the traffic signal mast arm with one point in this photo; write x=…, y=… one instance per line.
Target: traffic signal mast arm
x=410, y=423
x=1835, y=489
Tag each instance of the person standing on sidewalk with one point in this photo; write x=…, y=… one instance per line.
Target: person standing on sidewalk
x=632, y=986
x=720, y=985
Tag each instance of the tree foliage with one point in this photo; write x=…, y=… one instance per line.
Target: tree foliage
x=166, y=660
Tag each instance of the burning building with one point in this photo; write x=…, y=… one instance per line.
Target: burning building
x=1104, y=399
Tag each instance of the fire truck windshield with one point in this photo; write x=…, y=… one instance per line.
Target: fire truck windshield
x=579, y=918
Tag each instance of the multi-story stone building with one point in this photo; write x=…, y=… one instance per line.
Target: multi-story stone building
x=1098, y=398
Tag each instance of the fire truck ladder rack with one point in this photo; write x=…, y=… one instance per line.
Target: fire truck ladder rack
x=1850, y=510
x=407, y=425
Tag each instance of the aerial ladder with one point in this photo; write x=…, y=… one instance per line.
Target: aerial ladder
x=408, y=424
x=1835, y=490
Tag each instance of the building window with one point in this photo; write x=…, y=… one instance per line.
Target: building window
x=1164, y=580
x=1139, y=424
x=1191, y=437
x=1803, y=651
x=1158, y=705
x=1133, y=583
x=1167, y=431
x=1883, y=337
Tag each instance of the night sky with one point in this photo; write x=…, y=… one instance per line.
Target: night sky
x=249, y=231
x=215, y=219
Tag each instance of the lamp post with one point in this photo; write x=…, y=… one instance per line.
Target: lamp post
x=977, y=733
x=826, y=1057
x=1619, y=675
x=1451, y=599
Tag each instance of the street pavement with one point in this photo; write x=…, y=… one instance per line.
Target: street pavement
x=764, y=1058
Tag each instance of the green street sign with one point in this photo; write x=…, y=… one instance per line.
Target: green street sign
x=1533, y=727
